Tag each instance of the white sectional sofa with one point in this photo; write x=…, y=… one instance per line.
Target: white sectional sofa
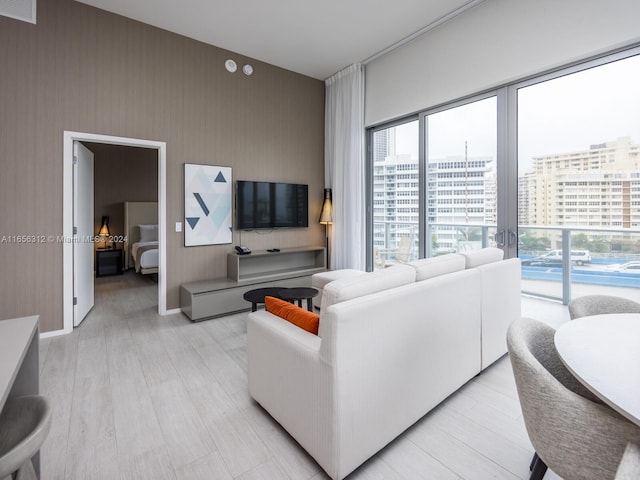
x=391, y=345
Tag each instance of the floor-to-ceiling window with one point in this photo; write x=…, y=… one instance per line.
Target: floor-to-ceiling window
x=547, y=168
x=395, y=192
x=461, y=153
x=579, y=178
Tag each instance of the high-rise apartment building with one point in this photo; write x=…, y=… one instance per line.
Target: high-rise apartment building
x=460, y=191
x=395, y=200
x=598, y=187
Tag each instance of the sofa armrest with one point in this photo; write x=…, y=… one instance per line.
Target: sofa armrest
x=501, y=295
x=287, y=377
x=284, y=333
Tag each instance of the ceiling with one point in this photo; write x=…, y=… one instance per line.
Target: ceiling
x=315, y=39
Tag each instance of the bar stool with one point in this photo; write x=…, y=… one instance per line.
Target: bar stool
x=24, y=424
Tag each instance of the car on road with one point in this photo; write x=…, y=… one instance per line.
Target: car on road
x=554, y=258
x=629, y=267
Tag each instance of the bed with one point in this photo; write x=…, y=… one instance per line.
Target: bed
x=141, y=228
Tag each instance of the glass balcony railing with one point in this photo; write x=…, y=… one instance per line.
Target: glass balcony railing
x=558, y=263
x=567, y=262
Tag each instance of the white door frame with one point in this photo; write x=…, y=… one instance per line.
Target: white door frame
x=67, y=216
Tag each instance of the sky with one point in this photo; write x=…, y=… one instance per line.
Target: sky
x=473, y=123
x=573, y=112
x=561, y=115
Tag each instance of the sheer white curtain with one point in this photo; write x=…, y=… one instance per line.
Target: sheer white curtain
x=345, y=167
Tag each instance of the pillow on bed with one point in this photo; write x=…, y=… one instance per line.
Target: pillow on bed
x=148, y=233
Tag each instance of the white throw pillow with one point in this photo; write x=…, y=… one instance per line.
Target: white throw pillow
x=148, y=233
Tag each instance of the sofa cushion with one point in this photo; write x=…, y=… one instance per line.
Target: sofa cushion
x=304, y=319
x=475, y=258
x=319, y=280
x=436, y=266
x=372, y=282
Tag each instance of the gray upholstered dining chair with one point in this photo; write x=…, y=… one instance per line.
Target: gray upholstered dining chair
x=571, y=431
x=601, y=304
x=629, y=468
x=24, y=425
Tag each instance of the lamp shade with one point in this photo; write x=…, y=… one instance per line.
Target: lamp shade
x=326, y=214
x=104, y=228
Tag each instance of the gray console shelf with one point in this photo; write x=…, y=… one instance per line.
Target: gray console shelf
x=291, y=267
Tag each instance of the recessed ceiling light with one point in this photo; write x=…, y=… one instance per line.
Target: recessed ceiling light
x=247, y=69
x=230, y=65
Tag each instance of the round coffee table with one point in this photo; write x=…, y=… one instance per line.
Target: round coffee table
x=257, y=296
x=299, y=293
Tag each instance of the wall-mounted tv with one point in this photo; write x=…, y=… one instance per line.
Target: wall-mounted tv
x=271, y=205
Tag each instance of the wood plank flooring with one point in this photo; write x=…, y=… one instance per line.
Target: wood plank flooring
x=139, y=396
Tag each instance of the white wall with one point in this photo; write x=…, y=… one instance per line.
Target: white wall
x=497, y=42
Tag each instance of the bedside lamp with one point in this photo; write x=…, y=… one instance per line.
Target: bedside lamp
x=326, y=217
x=104, y=230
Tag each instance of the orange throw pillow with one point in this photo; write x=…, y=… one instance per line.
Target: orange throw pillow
x=304, y=319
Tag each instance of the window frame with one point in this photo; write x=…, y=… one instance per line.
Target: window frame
x=506, y=150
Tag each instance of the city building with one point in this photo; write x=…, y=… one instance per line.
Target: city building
x=594, y=188
x=460, y=191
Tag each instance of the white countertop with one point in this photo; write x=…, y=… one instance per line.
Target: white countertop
x=15, y=338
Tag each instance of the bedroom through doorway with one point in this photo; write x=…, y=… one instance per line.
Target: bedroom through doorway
x=125, y=188
x=128, y=188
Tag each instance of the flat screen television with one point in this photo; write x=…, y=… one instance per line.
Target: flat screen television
x=271, y=205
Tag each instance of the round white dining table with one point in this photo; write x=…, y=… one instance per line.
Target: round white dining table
x=603, y=352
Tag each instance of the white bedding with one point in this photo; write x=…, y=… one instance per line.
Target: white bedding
x=148, y=259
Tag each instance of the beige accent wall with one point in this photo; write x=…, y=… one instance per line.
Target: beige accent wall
x=83, y=69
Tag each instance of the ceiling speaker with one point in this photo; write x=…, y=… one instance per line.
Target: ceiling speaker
x=24, y=10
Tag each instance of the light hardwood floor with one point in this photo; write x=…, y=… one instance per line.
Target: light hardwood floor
x=139, y=396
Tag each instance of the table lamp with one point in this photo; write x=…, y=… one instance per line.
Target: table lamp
x=104, y=230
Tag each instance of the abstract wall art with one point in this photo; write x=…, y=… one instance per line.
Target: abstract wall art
x=207, y=205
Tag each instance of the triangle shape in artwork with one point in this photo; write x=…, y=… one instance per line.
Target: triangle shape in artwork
x=220, y=178
x=193, y=221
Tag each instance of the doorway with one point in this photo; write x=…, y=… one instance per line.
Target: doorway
x=68, y=191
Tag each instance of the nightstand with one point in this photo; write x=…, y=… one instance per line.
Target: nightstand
x=108, y=261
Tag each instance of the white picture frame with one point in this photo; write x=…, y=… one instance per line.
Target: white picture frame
x=208, y=191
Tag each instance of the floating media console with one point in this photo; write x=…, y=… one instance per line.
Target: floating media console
x=290, y=267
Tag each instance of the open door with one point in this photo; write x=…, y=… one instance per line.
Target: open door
x=83, y=251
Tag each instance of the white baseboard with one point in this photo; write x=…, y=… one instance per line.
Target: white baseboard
x=53, y=333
